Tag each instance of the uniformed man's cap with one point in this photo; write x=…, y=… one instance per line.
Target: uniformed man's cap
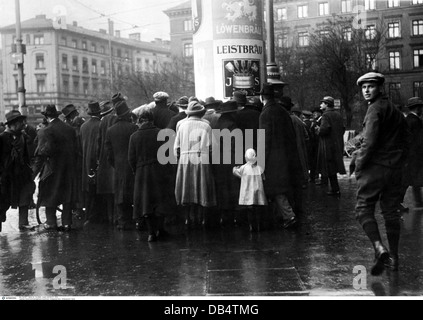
x=371, y=77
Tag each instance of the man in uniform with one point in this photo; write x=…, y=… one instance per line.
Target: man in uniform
x=378, y=165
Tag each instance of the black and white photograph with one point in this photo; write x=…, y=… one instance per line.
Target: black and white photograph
x=213, y=156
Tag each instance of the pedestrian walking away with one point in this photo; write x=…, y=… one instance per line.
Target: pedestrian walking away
x=378, y=166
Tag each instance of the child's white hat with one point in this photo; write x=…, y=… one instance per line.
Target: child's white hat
x=251, y=156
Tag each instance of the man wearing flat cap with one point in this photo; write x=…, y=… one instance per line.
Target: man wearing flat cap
x=161, y=112
x=182, y=105
x=16, y=183
x=55, y=160
x=414, y=168
x=378, y=166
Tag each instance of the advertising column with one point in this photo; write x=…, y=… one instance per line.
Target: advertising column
x=228, y=47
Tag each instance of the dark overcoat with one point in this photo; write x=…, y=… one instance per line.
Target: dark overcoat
x=248, y=118
x=227, y=185
x=414, y=167
x=55, y=160
x=154, y=183
x=330, y=159
x=117, y=144
x=301, y=138
x=89, y=141
x=175, y=119
x=105, y=172
x=282, y=168
x=16, y=184
x=162, y=115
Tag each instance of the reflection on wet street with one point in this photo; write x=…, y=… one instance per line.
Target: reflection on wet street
x=319, y=258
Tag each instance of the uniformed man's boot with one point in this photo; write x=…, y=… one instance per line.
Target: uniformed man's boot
x=393, y=229
x=381, y=258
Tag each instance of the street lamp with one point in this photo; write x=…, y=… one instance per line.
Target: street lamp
x=19, y=60
x=273, y=75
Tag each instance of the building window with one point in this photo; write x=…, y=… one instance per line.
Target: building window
x=395, y=92
x=346, y=6
x=303, y=11
x=95, y=87
x=126, y=55
x=94, y=66
x=394, y=29
x=138, y=64
x=119, y=53
x=188, y=25
x=188, y=50
x=417, y=27
x=283, y=40
x=147, y=64
x=103, y=68
x=371, y=61
x=102, y=50
x=66, y=86
x=394, y=60
x=76, y=86
x=393, y=3
x=418, y=58
x=418, y=89
x=75, y=63
x=41, y=85
x=39, y=39
x=282, y=14
x=417, y=2
x=63, y=41
x=64, y=62
x=347, y=33
x=370, y=32
x=28, y=39
x=84, y=45
x=84, y=65
x=39, y=61
x=303, y=39
x=74, y=44
x=370, y=4
x=323, y=33
x=85, y=88
x=324, y=9
x=93, y=47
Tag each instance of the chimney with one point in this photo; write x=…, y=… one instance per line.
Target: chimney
x=75, y=23
x=111, y=27
x=104, y=31
x=135, y=36
x=117, y=33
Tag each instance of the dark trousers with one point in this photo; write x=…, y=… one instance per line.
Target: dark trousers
x=333, y=180
x=66, y=215
x=124, y=213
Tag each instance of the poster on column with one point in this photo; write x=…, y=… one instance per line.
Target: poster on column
x=239, y=47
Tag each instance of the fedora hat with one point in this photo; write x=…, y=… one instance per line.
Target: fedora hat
x=122, y=109
x=240, y=97
x=307, y=113
x=51, y=111
x=371, y=77
x=414, y=102
x=212, y=103
x=228, y=106
x=267, y=90
x=329, y=100
x=195, y=109
x=106, y=108
x=118, y=97
x=13, y=116
x=286, y=101
x=94, y=108
x=68, y=110
x=182, y=102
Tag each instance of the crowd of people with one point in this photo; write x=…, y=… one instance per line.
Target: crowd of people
x=109, y=168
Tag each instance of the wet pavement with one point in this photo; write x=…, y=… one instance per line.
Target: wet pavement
x=326, y=255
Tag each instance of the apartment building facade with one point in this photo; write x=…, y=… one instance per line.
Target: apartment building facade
x=401, y=58
x=71, y=64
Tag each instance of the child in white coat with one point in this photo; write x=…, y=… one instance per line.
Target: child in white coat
x=251, y=194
